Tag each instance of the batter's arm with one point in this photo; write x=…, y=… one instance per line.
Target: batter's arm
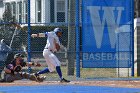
x=38, y=35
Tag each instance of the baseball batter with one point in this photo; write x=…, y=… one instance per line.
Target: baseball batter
x=53, y=44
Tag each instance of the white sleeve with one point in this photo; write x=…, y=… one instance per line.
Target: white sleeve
x=42, y=34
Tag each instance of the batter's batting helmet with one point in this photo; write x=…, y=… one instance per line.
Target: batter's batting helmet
x=56, y=30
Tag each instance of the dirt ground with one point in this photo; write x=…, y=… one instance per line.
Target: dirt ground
x=128, y=84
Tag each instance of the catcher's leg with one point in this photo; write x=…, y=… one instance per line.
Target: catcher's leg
x=24, y=75
x=37, y=78
x=9, y=78
x=33, y=77
x=18, y=76
x=6, y=77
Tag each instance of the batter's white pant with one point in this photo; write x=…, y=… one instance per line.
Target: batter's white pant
x=51, y=60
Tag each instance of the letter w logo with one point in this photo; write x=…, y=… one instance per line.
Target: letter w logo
x=108, y=17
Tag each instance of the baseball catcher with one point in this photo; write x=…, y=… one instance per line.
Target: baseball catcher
x=13, y=71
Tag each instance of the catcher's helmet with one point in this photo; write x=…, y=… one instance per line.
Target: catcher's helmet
x=2, y=41
x=18, y=55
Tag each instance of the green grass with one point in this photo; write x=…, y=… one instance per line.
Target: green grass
x=85, y=73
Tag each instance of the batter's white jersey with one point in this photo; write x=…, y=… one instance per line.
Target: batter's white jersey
x=52, y=38
x=51, y=60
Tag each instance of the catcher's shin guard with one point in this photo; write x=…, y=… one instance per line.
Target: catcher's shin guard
x=41, y=78
x=25, y=75
x=33, y=77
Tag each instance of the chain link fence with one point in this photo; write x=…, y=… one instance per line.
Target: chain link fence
x=45, y=15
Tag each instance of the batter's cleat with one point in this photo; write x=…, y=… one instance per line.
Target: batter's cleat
x=64, y=80
x=36, y=74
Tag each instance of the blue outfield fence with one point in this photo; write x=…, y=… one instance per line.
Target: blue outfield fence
x=107, y=34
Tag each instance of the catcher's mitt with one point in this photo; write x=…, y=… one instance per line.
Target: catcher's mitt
x=57, y=46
